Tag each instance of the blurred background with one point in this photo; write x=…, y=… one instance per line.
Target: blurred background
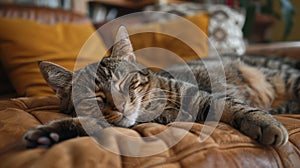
x=266, y=20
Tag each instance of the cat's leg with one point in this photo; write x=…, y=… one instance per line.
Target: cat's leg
x=255, y=123
x=60, y=130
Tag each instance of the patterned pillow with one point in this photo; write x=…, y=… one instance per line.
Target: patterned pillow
x=225, y=30
x=225, y=27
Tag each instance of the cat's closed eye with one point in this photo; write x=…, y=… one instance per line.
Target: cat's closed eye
x=114, y=108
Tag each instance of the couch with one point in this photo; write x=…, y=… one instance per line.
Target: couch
x=225, y=147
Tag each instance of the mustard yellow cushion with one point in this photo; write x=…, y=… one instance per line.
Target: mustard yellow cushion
x=191, y=44
x=24, y=42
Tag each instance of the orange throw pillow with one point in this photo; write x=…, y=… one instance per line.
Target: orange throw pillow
x=24, y=42
x=186, y=40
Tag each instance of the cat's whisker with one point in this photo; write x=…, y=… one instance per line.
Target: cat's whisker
x=160, y=90
x=165, y=99
x=146, y=93
x=167, y=91
x=158, y=97
x=150, y=111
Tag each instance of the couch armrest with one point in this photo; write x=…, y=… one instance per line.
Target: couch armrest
x=286, y=49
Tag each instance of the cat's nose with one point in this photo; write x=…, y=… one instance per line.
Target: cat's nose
x=119, y=107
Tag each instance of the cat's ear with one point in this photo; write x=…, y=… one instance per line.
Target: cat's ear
x=122, y=48
x=56, y=76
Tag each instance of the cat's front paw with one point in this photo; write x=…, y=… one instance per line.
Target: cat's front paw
x=41, y=136
x=265, y=129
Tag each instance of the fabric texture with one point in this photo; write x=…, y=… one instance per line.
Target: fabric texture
x=24, y=42
x=225, y=147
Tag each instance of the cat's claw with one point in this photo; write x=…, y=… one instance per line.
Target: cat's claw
x=40, y=138
x=44, y=141
x=54, y=136
x=47, y=141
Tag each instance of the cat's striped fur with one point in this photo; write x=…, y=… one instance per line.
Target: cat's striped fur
x=266, y=82
x=118, y=91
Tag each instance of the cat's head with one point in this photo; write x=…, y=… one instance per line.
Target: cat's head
x=127, y=80
x=113, y=83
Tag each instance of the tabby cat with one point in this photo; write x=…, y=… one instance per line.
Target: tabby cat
x=117, y=91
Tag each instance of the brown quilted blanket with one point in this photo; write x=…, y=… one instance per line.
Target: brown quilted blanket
x=226, y=147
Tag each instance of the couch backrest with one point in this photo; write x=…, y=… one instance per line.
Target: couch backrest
x=40, y=14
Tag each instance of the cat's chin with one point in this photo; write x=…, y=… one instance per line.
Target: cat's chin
x=127, y=121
